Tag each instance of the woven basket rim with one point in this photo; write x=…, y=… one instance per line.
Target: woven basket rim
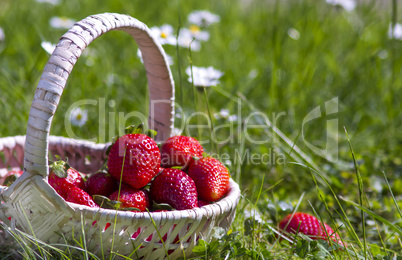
x=221, y=205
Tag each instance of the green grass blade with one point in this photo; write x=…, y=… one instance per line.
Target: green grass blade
x=361, y=193
x=392, y=196
x=376, y=216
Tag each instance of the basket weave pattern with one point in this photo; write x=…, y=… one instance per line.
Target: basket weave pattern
x=36, y=207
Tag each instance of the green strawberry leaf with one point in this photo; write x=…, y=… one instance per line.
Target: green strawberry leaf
x=9, y=180
x=161, y=206
x=134, y=129
x=106, y=203
x=140, y=129
x=110, y=146
x=177, y=167
x=151, y=133
x=113, y=204
x=101, y=200
x=60, y=168
x=130, y=209
x=204, y=154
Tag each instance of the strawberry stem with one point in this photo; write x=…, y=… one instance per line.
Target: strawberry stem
x=60, y=168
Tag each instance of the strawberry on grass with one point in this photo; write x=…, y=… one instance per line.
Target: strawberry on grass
x=310, y=226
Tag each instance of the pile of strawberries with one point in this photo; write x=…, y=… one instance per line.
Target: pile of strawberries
x=140, y=176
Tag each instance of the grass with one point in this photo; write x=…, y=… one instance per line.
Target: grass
x=272, y=81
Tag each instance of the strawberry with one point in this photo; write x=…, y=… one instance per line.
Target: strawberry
x=309, y=226
x=202, y=203
x=131, y=198
x=141, y=158
x=101, y=183
x=211, y=178
x=10, y=177
x=63, y=178
x=79, y=196
x=179, y=150
x=174, y=187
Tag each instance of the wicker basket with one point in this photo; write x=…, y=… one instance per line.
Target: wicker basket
x=36, y=208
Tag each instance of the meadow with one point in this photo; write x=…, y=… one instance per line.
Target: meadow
x=306, y=114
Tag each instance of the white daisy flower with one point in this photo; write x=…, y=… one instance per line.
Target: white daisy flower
x=227, y=163
x=348, y=5
x=293, y=33
x=195, y=32
x=164, y=34
x=232, y=118
x=204, y=77
x=383, y=54
x=48, y=47
x=61, y=22
x=112, y=78
x=168, y=57
x=53, y=2
x=203, y=18
x=253, y=74
x=78, y=116
x=224, y=113
x=187, y=40
x=395, y=32
x=2, y=35
x=253, y=214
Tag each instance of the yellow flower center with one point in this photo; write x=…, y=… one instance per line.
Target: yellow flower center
x=195, y=29
x=79, y=116
x=163, y=35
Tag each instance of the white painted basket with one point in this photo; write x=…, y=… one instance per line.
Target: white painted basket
x=35, y=206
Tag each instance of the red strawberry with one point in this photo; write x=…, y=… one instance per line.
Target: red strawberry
x=79, y=196
x=101, y=183
x=211, y=178
x=202, y=203
x=10, y=177
x=309, y=226
x=141, y=158
x=62, y=178
x=131, y=198
x=174, y=187
x=179, y=150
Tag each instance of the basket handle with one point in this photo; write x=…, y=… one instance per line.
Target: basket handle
x=60, y=65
